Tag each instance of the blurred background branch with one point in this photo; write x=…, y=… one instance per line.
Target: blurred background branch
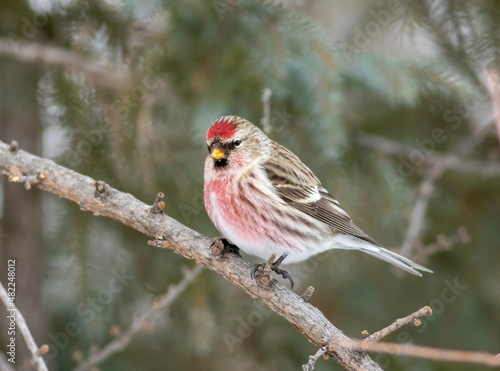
x=418, y=214
x=493, y=78
x=124, y=338
x=37, y=359
x=114, y=77
x=266, y=104
x=451, y=161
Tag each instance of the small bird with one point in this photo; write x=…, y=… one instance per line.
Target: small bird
x=263, y=199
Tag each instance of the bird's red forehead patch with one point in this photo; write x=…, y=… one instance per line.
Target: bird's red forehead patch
x=222, y=129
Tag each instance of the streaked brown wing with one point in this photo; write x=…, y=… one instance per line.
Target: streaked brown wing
x=297, y=185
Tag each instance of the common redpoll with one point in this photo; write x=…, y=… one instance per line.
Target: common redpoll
x=262, y=198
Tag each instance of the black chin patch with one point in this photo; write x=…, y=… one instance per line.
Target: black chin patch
x=220, y=163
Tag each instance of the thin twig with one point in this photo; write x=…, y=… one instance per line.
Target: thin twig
x=436, y=354
x=266, y=103
x=446, y=243
x=123, y=340
x=309, y=366
x=494, y=89
x=115, y=77
x=418, y=214
x=37, y=359
x=397, y=324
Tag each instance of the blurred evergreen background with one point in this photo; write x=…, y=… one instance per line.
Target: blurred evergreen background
x=371, y=95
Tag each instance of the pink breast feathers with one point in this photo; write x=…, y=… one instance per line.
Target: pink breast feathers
x=236, y=216
x=221, y=129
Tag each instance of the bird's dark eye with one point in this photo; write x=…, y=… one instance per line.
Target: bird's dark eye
x=237, y=142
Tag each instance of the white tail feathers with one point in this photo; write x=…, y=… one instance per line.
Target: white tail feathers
x=347, y=242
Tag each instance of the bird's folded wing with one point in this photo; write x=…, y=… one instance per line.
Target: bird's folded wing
x=297, y=185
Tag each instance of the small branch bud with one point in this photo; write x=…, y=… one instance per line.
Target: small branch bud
x=16, y=176
x=308, y=293
x=101, y=189
x=14, y=146
x=156, y=243
x=43, y=349
x=217, y=246
x=77, y=356
x=115, y=330
x=147, y=327
x=158, y=205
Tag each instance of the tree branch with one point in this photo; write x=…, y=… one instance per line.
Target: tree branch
x=436, y=354
x=372, y=344
x=127, y=210
x=397, y=324
x=114, y=77
x=25, y=331
x=123, y=340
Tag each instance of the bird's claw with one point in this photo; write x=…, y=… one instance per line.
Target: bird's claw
x=229, y=248
x=258, y=268
x=283, y=273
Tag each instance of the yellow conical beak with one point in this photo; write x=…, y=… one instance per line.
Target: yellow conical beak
x=217, y=154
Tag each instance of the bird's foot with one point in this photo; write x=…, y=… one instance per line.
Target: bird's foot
x=263, y=269
x=221, y=247
x=229, y=248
